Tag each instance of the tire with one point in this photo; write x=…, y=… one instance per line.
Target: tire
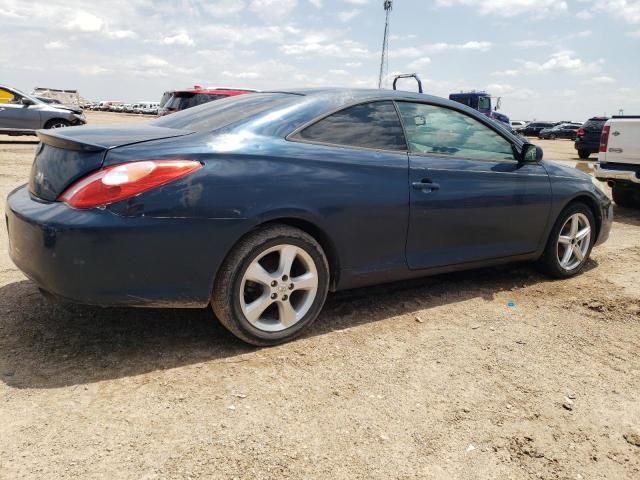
x=550, y=261
x=583, y=154
x=57, y=123
x=292, y=303
x=625, y=197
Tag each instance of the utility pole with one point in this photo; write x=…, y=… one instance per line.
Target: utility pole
x=384, y=60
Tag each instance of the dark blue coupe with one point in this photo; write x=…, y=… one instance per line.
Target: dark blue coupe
x=260, y=204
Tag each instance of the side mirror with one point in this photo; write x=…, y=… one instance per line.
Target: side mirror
x=27, y=101
x=531, y=153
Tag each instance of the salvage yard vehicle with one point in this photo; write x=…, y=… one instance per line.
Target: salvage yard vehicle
x=177, y=100
x=562, y=130
x=23, y=114
x=619, y=159
x=534, y=128
x=588, y=137
x=259, y=205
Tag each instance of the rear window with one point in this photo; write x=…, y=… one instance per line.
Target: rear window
x=184, y=100
x=594, y=124
x=221, y=113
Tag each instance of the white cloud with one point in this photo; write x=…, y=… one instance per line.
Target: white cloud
x=508, y=91
x=273, y=10
x=225, y=8
x=357, y=2
x=181, y=38
x=626, y=10
x=353, y=64
x=120, y=34
x=338, y=72
x=507, y=73
x=602, y=80
x=316, y=3
x=442, y=46
x=54, y=45
x=563, y=61
x=419, y=63
x=241, y=75
x=635, y=34
x=348, y=15
x=84, y=22
x=511, y=8
x=152, y=61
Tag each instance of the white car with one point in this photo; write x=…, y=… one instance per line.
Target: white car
x=619, y=159
x=518, y=124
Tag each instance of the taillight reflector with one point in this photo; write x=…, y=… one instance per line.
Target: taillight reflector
x=604, y=139
x=580, y=132
x=119, y=182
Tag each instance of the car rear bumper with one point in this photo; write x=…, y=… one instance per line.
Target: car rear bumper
x=603, y=173
x=99, y=258
x=591, y=147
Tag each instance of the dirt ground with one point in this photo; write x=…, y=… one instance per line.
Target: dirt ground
x=493, y=374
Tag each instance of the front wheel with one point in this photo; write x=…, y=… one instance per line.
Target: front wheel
x=570, y=242
x=272, y=286
x=57, y=123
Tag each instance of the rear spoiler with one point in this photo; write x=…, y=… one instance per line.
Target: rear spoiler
x=60, y=141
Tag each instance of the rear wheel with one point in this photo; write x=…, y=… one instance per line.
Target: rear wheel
x=625, y=197
x=583, y=154
x=57, y=123
x=272, y=286
x=570, y=242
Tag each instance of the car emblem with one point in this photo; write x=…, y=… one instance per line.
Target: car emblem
x=616, y=133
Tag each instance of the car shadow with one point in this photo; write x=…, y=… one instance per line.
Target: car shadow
x=46, y=344
x=628, y=216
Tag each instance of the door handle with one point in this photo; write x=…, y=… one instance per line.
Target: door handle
x=425, y=185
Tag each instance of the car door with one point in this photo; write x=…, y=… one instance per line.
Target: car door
x=470, y=200
x=15, y=115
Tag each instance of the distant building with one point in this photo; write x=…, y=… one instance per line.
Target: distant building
x=67, y=97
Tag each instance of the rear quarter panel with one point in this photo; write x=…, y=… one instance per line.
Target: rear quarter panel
x=358, y=198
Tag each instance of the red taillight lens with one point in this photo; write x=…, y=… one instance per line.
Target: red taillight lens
x=604, y=138
x=580, y=132
x=118, y=182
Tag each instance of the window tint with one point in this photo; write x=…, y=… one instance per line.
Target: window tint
x=442, y=131
x=370, y=125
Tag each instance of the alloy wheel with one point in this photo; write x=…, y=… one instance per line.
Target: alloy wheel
x=278, y=288
x=574, y=241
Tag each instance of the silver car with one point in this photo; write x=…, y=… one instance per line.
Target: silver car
x=23, y=114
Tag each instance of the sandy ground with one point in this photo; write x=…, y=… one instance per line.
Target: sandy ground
x=438, y=378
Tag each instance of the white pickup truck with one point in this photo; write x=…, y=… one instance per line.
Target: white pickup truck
x=619, y=159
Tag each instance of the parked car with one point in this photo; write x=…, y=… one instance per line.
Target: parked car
x=533, y=129
x=517, y=125
x=563, y=130
x=619, y=159
x=588, y=137
x=260, y=204
x=23, y=114
x=182, y=99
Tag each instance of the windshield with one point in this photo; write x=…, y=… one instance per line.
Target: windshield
x=221, y=113
x=484, y=103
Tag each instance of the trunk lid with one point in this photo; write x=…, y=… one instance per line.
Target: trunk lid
x=65, y=155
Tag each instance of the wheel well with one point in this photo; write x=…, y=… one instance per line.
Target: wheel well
x=53, y=120
x=593, y=206
x=321, y=237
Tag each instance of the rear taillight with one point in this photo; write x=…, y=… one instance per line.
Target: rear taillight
x=118, y=182
x=604, y=138
x=580, y=132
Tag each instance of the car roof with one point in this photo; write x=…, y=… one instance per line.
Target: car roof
x=212, y=91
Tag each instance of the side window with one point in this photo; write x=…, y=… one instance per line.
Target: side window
x=442, y=131
x=370, y=125
x=8, y=97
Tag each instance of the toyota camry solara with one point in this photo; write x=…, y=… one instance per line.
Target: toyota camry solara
x=261, y=204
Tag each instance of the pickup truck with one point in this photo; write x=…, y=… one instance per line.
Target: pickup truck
x=619, y=159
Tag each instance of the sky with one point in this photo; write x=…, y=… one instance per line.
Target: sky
x=547, y=59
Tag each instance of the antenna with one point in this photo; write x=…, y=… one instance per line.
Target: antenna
x=384, y=60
